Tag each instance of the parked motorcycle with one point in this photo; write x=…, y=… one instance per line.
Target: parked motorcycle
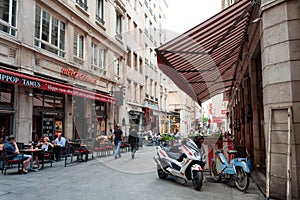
x=237, y=171
x=183, y=160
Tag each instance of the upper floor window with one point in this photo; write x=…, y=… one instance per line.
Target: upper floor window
x=78, y=47
x=82, y=4
x=99, y=11
x=49, y=32
x=98, y=59
x=117, y=68
x=8, y=16
x=119, y=26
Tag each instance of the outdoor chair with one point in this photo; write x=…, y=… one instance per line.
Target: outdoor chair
x=46, y=156
x=8, y=162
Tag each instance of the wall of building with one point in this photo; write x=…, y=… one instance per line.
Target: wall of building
x=281, y=82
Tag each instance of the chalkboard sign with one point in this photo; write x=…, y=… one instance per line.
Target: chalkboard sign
x=48, y=127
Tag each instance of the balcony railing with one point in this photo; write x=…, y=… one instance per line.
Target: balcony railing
x=82, y=4
x=100, y=20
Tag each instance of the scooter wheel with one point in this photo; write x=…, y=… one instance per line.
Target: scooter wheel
x=161, y=174
x=242, y=180
x=198, y=179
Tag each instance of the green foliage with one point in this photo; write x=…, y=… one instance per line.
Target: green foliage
x=165, y=137
x=204, y=120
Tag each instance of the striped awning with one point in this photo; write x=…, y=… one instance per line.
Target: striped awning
x=203, y=61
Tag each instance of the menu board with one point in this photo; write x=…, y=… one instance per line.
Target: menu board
x=48, y=127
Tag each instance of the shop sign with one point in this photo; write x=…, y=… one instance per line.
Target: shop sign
x=20, y=81
x=33, y=82
x=218, y=120
x=77, y=75
x=47, y=127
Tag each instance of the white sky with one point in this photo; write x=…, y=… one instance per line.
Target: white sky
x=184, y=15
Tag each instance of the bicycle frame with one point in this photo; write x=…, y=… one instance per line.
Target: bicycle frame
x=223, y=166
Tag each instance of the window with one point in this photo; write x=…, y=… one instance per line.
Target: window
x=82, y=4
x=49, y=32
x=135, y=93
x=98, y=59
x=129, y=58
x=141, y=65
x=8, y=16
x=78, y=47
x=6, y=95
x=119, y=26
x=129, y=90
x=117, y=68
x=141, y=94
x=135, y=61
x=99, y=11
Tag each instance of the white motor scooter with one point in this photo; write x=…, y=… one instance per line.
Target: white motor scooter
x=184, y=160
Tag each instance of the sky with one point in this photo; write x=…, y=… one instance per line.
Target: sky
x=184, y=15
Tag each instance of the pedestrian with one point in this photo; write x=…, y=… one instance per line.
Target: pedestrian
x=118, y=138
x=133, y=140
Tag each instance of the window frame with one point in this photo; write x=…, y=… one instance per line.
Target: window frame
x=12, y=19
x=78, y=52
x=59, y=48
x=98, y=58
x=100, y=11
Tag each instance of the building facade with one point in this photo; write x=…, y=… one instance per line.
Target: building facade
x=264, y=103
x=59, y=63
x=145, y=103
x=80, y=67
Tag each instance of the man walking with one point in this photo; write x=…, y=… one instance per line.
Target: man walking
x=118, y=138
x=133, y=140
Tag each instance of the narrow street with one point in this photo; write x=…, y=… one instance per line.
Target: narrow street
x=108, y=178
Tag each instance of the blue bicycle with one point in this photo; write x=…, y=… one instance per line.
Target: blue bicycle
x=237, y=170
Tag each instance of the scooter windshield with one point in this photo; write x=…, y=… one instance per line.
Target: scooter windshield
x=191, y=144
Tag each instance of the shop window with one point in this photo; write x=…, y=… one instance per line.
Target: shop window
x=49, y=32
x=8, y=16
x=48, y=100
x=6, y=95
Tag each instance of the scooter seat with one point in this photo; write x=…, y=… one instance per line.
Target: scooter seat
x=231, y=151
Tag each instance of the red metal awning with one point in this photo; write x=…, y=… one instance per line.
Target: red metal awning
x=203, y=61
x=39, y=83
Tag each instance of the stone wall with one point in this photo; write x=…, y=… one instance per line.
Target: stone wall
x=280, y=44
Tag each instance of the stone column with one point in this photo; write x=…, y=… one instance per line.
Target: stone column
x=23, y=117
x=68, y=132
x=280, y=44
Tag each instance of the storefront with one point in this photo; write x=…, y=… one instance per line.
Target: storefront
x=46, y=108
x=6, y=108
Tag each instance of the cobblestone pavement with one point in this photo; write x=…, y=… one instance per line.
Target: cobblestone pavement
x=109, y=178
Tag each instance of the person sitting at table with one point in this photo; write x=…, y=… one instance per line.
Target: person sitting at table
x=35, y=140
x=11, y=148
x=44, y=146
x=60, y=146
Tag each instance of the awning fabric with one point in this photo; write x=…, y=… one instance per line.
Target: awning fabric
x=203, y=61
x=39, y=83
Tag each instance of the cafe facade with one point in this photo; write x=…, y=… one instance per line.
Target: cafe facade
x=50, y=84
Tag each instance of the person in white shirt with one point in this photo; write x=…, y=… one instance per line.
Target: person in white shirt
x=60, y=141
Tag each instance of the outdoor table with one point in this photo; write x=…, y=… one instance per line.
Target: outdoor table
x=31, y=152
